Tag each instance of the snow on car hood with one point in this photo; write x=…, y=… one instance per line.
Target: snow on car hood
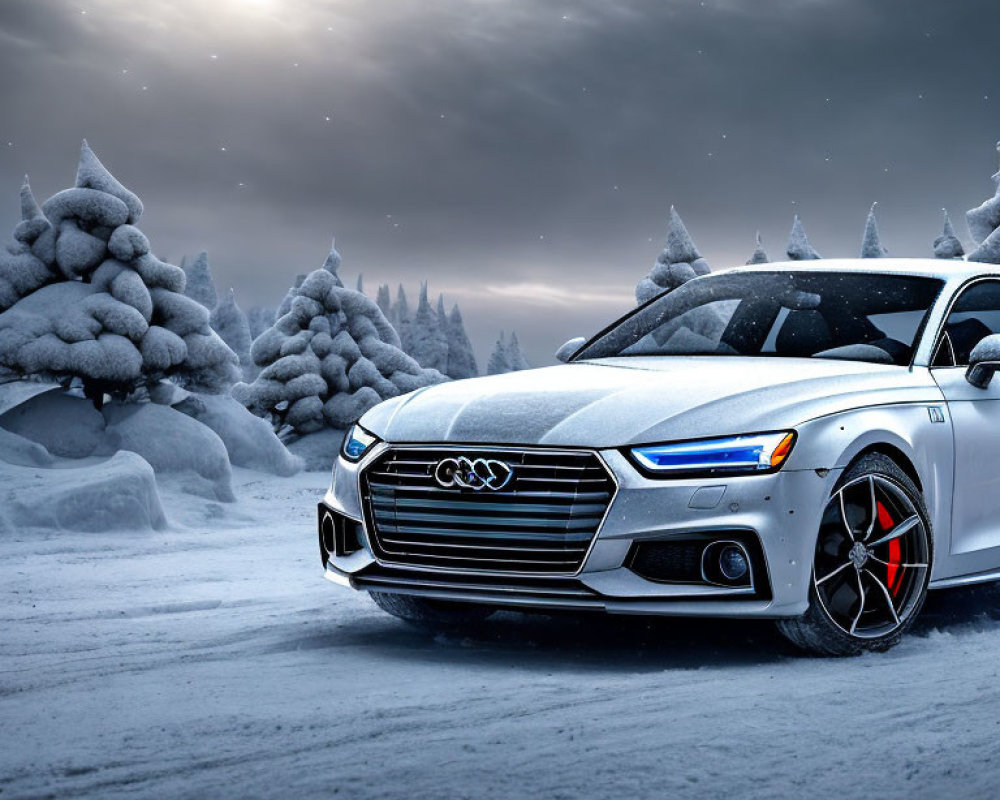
x=620, y=401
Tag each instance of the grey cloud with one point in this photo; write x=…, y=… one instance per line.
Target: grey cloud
x=543, y=118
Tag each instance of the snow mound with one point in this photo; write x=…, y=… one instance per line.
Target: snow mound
x=14, y=393
x=63, y=424
x=173, y=442
x=15, y=449
x=117, y=494
x=249, y=440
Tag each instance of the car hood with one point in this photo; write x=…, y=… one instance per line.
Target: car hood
x=621, y=401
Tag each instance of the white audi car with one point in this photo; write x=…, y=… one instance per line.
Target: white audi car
x=813, y=442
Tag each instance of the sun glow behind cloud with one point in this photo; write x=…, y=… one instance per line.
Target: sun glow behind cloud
x=546, y=294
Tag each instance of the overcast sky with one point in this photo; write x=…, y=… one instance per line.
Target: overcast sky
x=521, y=155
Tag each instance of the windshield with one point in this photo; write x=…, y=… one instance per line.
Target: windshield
x=856, y=316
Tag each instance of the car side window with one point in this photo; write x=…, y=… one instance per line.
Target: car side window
x=975, y=314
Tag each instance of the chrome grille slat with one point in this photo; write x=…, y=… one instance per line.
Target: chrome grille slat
x=490, y=547
x=486, y=535
x=542, y=523
x=585, y=510
x=438, y=492
x=505, y=521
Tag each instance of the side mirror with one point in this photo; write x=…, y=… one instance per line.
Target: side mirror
x=984, y=360
x=568, y=350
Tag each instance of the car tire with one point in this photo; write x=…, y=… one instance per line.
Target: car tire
x=433, y=615
x=896, y=576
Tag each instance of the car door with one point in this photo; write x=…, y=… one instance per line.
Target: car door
x=975, y=415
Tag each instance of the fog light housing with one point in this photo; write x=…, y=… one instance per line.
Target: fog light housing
x=733, y=563
x=727, y=563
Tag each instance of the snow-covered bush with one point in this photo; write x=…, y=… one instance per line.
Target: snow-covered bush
x=328, y=359
x=871, y=242
x=759, y=255
x=678, y=263
x=799, y=248
x=83, y=297
x=947, y=245
x=984, y=225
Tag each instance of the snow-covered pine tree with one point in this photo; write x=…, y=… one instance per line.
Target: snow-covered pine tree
x=260, y=318
x=199, y=284
x=361, y=284
x=286, y=302
x=333, y=261
x=799, y=248
x=947, y=245
x=328, y=360
x=384, y=302
x=82, y=297
x=871, y=242
x=984, y=225
x=401, y=319
x=461, y=357
x=514, y=355
x=499, y=361
x=429, y=342
x=678, y=263
x=759, y=255
x=985, y=218
x=228, y=320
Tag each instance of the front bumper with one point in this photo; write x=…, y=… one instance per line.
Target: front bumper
x=782, y=510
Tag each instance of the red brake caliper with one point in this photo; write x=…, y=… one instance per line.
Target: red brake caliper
x=895, y=557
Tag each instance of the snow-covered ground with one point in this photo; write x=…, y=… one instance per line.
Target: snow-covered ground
x=210, y=659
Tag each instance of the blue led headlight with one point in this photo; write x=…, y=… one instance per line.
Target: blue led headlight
x=751, y=453
x=357, y=442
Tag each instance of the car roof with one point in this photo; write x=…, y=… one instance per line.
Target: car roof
x=951, y=270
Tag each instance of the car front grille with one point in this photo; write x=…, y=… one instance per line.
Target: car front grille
x=542, y=522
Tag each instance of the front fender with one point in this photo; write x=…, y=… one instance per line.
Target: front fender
x=833, y=442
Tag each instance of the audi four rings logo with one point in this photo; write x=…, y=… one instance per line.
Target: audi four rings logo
x=473, y=473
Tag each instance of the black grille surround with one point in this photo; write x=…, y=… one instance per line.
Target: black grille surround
x=542, y=523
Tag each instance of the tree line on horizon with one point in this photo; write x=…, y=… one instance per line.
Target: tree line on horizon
x=85, y=303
